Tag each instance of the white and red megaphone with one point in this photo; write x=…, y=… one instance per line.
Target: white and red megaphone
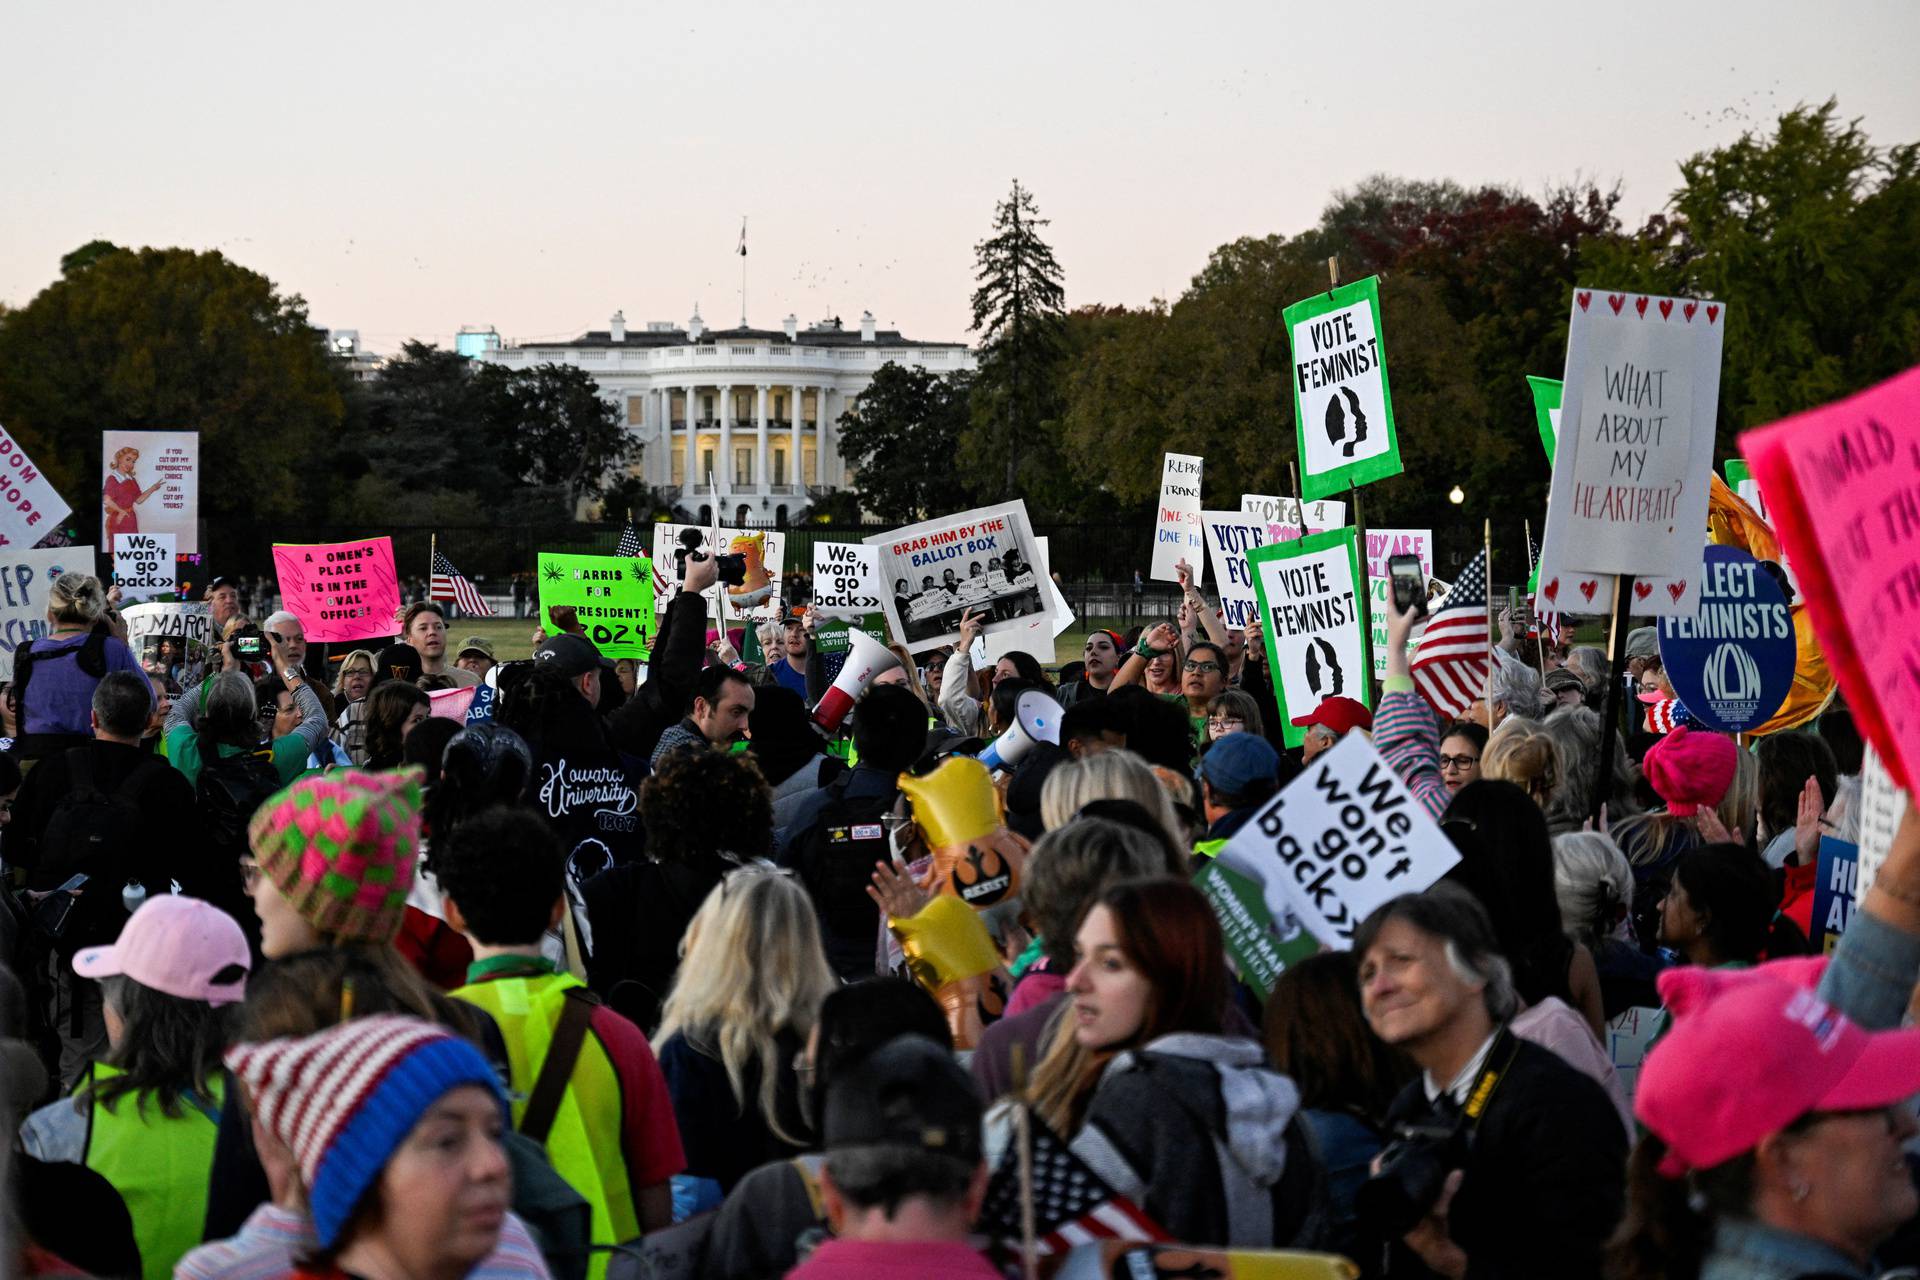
x=866, y=658
x=1036, y=718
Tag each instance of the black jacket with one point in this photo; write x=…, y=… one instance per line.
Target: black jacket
x=162, y=796
x=678, y=653
x=1545, y=1176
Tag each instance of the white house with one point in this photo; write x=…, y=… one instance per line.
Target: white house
x=752, y=409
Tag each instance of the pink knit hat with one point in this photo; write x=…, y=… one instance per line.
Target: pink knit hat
x=1691, y=769
x=1752, y=1051
x=340, y=848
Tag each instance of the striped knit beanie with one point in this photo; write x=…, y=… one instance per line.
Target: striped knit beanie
x=340, y=848
x=345, y=1098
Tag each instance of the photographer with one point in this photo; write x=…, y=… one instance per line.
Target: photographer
x=234, y=722
x=1506, y=1161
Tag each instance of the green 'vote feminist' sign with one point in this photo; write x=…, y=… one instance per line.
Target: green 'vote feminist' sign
x=1342, y=409
x=611, y=595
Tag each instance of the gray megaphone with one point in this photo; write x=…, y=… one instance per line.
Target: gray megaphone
x=1036, y=718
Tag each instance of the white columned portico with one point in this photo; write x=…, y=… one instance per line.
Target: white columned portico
x=692, y=477
x=723, y=469
x=795, y=459
x=828, y=472
x=760, y=444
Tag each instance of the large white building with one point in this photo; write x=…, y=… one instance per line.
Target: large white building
x=754, y=409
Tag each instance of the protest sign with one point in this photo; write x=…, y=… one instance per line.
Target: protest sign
x=1339, y=840
x=1310, y=614
x=143, y=565
x=1628, y=1036
x=30, y=507
x=1546, y=411
x=611, y=596
x=1731, y=663
x=152, y=486
x=1383, y=545
x=1259, y=948
x=1342, y=409
x=25, y=575
x=339, y=590
x=1882, y=805
x=1176, y=527
x=1230, y=536
x=846, y=579
x=1635, y=452
x=1033, y=635
x=1843, y=480
x=481, y=708
x=1833, y=892
x=757, y=595
x=1284, y=517
x=985, y=560
x=451, y=704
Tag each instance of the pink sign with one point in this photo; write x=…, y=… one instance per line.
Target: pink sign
x=339, y=590
x=451, y=704
x=1843, y=481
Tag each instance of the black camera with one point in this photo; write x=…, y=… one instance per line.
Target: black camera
x=1413, y=1170
x=249, y=644
x=732, y=569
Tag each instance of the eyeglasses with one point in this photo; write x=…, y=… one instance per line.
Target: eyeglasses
x=1458, y=762
x=1225, y=722
x=1201, y=666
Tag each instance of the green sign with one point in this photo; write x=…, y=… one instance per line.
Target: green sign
x=611, y=595
x=1738, y=472
x=830, y=636
x=1342, y=408
x=1546, y=411
x=1312, y=593
x=1259, y=953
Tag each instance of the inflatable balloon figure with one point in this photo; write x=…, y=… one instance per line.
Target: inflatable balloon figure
x=975, y=863
x=757, y=585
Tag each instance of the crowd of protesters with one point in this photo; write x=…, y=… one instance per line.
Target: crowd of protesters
x=647, y=968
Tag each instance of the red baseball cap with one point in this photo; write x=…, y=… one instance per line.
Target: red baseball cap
x=1752, y=1051
x=1339, y=714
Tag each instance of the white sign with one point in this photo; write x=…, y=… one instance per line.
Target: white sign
x=1632, y=463
x=144, y=565
x=1342, y=838
x=1312, y=625
x=757, y=596
x=1882, y=805
x=152, y=485
x=1230, y=535
x=29, y=504
x=25, y=576
x=1284, y=516
x=1383, y=545
x=1176, y=525
x=986, y=560
x=846, y=580
x=1034, y=635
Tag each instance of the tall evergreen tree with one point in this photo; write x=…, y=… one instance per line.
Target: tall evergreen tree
x=1019, y=311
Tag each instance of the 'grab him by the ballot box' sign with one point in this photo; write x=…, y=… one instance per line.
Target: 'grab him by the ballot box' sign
x=1310, y=614
x=612, y=596
x=1342, y=408
x=1344, y=837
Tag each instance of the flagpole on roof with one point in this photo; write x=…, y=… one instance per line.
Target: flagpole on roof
x=743, y=271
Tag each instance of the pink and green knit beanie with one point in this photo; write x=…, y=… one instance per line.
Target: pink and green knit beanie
x=340, y=847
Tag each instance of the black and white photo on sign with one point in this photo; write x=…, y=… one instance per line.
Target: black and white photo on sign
x=984, y=561
x=171, y=638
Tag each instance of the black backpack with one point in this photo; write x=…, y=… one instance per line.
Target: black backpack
x=95, y=833
x=228, y=791
x=836, y=866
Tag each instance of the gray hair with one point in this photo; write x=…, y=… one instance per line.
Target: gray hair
x=1593, y=884
x=1515, y=685
x=122, y=701
x=1590, y=664
x=230, y=713
x=1111, y=775
x=1070, y=865
x=1576, y=731
x=76, y=598
x=279, y=616
x=1455, y=917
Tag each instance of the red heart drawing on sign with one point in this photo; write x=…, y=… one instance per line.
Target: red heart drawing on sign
x=1641, y=307
x=1677, y=589
x=1689, y=309
x=1643, y=589
x=1666, y=308
x=1552, y=590
x=1583, y=298
x=1616, y=301
x=1587, y=589
x=1713, y=313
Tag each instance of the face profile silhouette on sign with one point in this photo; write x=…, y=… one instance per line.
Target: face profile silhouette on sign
x=1324, y=676
x=1346, y=426
x=1309, y=612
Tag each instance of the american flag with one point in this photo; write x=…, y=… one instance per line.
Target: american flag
x=1072, y=1205
x=1450, y=667
x=629, y=545
x=447, y=583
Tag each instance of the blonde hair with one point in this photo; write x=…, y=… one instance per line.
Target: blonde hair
x=912, y=670
x=1521, y=751
x=122, y=452
x=347, y=666
x=1738, y=809
x=752, y=968
x=1111, y=775
x=76, y=599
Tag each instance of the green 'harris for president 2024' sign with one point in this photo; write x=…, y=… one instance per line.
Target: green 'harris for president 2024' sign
x=611, y=595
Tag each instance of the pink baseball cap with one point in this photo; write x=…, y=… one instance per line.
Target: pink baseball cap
x=180, y=946
x=1752, y=1051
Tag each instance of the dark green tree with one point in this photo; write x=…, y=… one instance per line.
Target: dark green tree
x=1018, y=310
x=900, y=439
x=557, y=433
x=177, y=340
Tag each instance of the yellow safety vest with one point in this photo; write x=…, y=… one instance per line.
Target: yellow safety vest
x=160, y=1165
x=586, y=1142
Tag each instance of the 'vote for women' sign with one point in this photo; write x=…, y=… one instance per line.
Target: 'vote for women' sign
x=1342, y=838
x=24, y=579
x=1176, y=525
x=1342, y=409
x=143, y=565
x=1635, y=452
x=1230, y=536
x=611, y=596
x=339, y=590
x=1309, y=593
x=1732, y=662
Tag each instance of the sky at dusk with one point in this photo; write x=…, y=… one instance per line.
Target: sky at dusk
x=408, y=168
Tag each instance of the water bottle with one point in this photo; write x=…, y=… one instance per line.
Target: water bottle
x=133, y=895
